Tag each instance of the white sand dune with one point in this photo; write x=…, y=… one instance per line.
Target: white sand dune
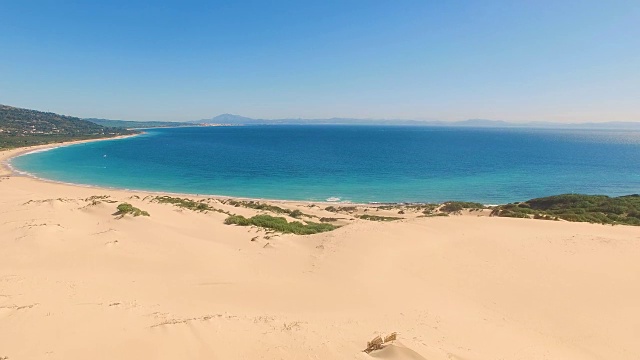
x=77, y=283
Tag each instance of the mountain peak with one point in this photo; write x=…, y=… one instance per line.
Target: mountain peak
x=225, y=119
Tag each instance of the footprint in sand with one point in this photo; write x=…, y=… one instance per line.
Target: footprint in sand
x=4, y=312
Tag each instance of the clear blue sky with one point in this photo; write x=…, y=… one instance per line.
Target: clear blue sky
x=524, y=60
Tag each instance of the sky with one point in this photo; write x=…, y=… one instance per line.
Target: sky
x=563, y=61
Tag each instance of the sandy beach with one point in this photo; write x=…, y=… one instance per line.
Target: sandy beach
x=77, y=282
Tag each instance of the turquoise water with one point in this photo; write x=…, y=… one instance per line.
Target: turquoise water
x=354, y=163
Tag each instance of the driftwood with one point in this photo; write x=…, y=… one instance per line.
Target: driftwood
x=391, y=337
x=375, y=344
x=378, y=343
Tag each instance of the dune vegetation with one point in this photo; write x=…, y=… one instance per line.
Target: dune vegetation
x=601, y=209
x=378, y=218
x=185, y=203
x=256, y=205
x=457, y=206
x=347, y=209
x=280, y=224
x=126, y=208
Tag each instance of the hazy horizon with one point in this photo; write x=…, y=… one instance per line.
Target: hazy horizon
x=367, y=119
x=569, y=62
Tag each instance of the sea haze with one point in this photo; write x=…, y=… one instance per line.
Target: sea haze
x=354, y=163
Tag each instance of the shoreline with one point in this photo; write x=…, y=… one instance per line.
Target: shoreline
x=6, y=169
x=8, y=154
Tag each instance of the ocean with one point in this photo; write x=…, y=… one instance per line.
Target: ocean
x=360, y=164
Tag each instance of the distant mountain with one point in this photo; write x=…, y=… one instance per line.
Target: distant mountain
x=131, y=124
x=481, y=123
x=236, y=120
x=230, y=119
x=24, y=127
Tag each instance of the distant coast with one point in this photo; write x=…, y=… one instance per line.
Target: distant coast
x=7, y=154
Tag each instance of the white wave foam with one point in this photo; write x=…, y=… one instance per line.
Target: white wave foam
x=39, y=151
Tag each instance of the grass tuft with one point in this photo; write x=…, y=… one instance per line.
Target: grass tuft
x=280, y=224
x=187, y=204
x=458, y=206
x=266, y=207
x=126, y=208
x=378, y=218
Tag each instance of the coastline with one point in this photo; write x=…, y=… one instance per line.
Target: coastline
x=6, y=169
x=7, y=155
x=388, y=186
x=182, y=284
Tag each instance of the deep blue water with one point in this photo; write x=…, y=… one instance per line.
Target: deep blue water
x=354, y=163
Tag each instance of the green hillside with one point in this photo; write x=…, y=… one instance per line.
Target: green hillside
x=24, y=127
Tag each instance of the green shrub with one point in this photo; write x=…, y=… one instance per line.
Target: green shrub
x=451, y=207
x=237, y=220
x=266, y=207
x=296, y=213
x=126, y=208
x=187, y=204
x=579, y=208
x=341, y=209
x=457, y=206
x=378, y=218
x=280, y=224
x=513, y=214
